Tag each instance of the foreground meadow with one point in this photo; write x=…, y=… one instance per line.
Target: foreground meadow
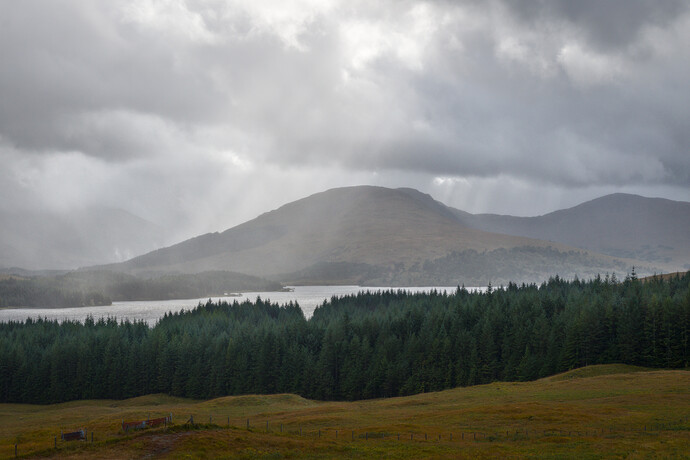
x=611, y=411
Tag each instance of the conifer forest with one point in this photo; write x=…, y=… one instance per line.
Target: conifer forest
x=368, y=345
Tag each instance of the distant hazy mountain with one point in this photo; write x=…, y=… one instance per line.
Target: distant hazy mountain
x=37, y=240
x=653, y=230
x=374, y=235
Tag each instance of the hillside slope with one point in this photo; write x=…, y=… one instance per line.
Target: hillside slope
x=612, y=412
x=654, y=230
x=374, y=235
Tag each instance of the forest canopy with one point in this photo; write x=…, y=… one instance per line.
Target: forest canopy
x=367, y=345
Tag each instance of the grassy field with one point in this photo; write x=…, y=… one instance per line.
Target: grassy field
x=610, y=411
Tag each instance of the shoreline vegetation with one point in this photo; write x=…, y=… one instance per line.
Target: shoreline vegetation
x=102, y=287
x=363, y=346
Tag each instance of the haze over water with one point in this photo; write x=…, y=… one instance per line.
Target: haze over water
x=308, y=297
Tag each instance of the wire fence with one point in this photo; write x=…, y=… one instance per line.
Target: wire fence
x=344, y=434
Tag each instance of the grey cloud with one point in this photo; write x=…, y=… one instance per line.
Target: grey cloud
x=66, y=62
x=219, y=100
x=485, y=120
x=606, y=24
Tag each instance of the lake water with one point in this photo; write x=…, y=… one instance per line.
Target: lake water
x=308, y=297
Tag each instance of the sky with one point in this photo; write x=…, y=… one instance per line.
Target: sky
x=200, y=115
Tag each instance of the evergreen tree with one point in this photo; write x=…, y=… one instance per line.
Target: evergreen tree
x=366, y=345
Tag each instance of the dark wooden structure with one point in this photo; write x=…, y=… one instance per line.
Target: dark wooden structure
x=141, y=424
x=79, y=435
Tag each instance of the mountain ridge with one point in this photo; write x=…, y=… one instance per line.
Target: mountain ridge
x=610, y=224
x=394, y=236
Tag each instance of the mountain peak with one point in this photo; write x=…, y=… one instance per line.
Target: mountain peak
x=653, y=230
x=369, y=234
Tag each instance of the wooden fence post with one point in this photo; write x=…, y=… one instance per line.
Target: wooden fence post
x=56, y=442
x=266, y=426
x=247, y=423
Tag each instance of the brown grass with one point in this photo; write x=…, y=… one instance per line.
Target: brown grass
x=599, y=411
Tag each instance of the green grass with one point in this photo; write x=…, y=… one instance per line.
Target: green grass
x=597, y=370
x=601, y=411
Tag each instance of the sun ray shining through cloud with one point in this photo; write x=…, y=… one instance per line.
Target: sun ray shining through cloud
x=199, y=114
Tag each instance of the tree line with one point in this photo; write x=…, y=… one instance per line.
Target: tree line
x=47, y=292
x=102, y=287
x=368, y=345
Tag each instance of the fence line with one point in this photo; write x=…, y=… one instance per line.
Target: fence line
x=465, y=435
x=261, y=424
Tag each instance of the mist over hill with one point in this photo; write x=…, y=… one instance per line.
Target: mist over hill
x=374, y=235
x=35, y=240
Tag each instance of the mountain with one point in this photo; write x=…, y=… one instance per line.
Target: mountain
x=46, y=240
x=374, y=235
x=653, y=230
